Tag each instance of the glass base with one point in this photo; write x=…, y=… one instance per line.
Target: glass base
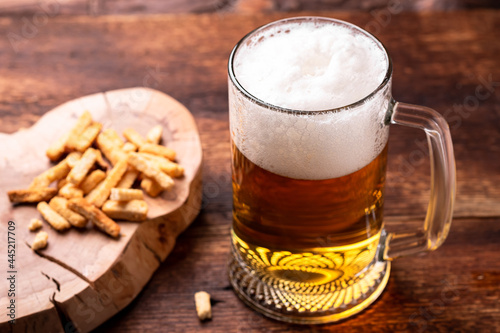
x=335, y=302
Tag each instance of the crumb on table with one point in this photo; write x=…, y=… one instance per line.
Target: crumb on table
x=35, y=224
x=40, y=241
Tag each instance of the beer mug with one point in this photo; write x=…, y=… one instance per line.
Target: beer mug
x=309, y=244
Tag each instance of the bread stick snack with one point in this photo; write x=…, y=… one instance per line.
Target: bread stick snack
x=92, y=194
x=151, y=187
x=88, y=136
x=70, y=191
x=95, y=215
x=113, y=137
x=150, y=170
x=73, y=158
x=129, y=147
x=36, y=194
x=82, y=167
x=92, y=180
x=158, y=150
x=133, y=210
x=84, y=121
x=131, y=135
x=154, y=134
x=52, y=217
x=101, y=162
x=170, y=168
x=57, y=149
x=109, y=182
x=61, y=183
x=109, y=142
x=125, y=194
x=60, y=205
x=128, y=178
x=57, y=172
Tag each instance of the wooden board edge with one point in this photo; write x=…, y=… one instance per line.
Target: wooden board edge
x=47, y=320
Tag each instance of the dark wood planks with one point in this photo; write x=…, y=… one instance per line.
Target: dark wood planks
x=132, y=7
x=440, y=60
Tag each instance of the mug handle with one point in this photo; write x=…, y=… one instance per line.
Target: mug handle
x=443, y=178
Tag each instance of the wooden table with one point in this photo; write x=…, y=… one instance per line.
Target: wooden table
x=448, y=61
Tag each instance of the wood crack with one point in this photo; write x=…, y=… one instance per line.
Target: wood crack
x=152, y=251
x=66, y=322
x=65, y=266
x=58, y=285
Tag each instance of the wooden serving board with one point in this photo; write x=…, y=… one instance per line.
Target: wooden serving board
x=84, y=277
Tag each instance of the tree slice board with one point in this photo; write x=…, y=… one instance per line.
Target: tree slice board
x=84, y=277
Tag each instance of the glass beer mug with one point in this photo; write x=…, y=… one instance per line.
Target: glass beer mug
x=309, y=244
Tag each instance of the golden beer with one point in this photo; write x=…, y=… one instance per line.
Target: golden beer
x=307, y=232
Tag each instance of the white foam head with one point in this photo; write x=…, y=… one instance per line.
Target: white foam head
x=309, y=65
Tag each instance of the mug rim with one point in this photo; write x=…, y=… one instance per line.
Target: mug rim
x=234, y=80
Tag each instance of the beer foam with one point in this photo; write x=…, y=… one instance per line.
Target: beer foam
x=310, y=66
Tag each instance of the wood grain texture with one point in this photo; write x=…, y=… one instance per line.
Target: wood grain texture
x=130, y=7
x=441, y=60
